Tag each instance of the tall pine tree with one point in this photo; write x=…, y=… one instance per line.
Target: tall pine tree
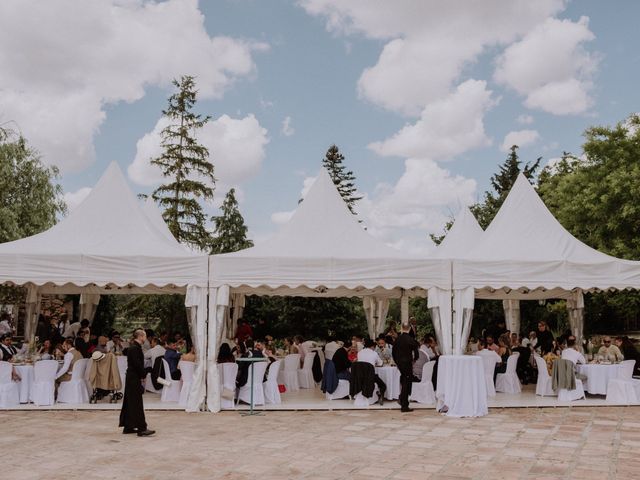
x=343, y=179
x=230, y=233
x=502, y=183
x=185, y=163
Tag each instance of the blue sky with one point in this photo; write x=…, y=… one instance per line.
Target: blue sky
x=93, y=81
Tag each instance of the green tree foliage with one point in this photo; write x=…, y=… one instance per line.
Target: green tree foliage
x=185, y=164
x=502, y=182
x=437, y=239
x=230, y=233
x=343, y=179
x=159, y=312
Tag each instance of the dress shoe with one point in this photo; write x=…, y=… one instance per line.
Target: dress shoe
x=129, y=430
x=406, y=409
x=146, y=433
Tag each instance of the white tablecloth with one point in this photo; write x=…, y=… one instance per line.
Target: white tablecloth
x=391, y=378
x=461, y=386
x=26, y=374
x=598, y=376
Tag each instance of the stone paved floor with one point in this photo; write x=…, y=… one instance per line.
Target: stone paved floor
x=551, y=443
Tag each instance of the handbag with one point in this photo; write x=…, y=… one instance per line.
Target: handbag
x=227, y=394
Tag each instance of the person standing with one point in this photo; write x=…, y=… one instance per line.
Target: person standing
x=405, y=352
x=132, y=413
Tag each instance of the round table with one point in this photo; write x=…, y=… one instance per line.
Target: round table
x=461, y=386
x=598, y=376
x=26, y=374
x=391, y=378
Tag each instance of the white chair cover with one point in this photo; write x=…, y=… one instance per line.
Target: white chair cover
x=290, y=372
x=9, y=390
x=543, y=387
x=489, y=364
x=244, y=393
x=271, y=391
x=341, y=392
x=122, y=368
x=148, y=385
x=565, y=395
x=624, y=389
x=75, y=390
x=422, y=392
x=228, y=373
x=170, y=393
x=44, y=382
x=305, y=376
x=187, y=369
x=509, y=382
x=361, y=401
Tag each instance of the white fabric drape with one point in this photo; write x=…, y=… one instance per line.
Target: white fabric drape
x=196, y=302
x=404, y=308
x=439, y=304
x=375, y=310
x=88, y=306
x=34, y=297
x=463, y=302
x=575, y=306
x=512, y=315
x=218, y=303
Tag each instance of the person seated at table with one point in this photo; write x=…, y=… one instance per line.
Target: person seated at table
x=7, y=349
x=491, y=344
x=484, y=351
x=610, y=351
x=156, y=350
x=243, y=367
x=472, y=345
x=352, y=350
x=81, y=342
x=331, y=347
x=383, y=349
x=504, y=352
x=423, y=357
x=290, y=348
x=71, y=356
x=116, y=345
x=369, y=355
x=515, y=340
x=172, y=356
x=432, y=348
x=629, y=352
x=572, y=353
x=181, y=343
x=101, y=345
x=524, y=369
x=225, y=355
x=342, y=363
x=549, y=357
x=531, y=341
x=46, y=350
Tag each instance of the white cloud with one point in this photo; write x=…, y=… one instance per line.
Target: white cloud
x=287, y=129
x=524, y=119
x=521, y=138
x=75, y=58
x=429, y=41
x=551, y=67
x=73, y=199
x=236, y=148
x=447, y=127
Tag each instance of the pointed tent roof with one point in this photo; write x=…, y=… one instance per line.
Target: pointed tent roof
x=323, y=245
x=107, y=239
x=525, y=246
x=463, y=236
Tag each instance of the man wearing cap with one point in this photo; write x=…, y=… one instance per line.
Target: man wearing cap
x=132, y=414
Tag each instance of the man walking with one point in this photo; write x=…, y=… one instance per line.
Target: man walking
x=132, y=413
x=405, y=352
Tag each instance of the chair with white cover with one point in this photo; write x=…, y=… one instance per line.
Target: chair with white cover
x=170, y=393
x=187, y=369
x=9, y=390
x=148, y=385
x=244, y=393
x=228, y=373
x=271, y=390
x=305, y=376
x=75, y=390
x=341, y=392
x=43, y=390
x=509, y=382
x=489, y=363
x=422, y=391
x=122, y=368
x=624, y=389
x=565, y=395
x=543, y=387
x=361, y=401
x=290, y=372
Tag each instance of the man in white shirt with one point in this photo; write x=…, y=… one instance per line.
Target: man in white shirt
x=570, y=353
x=116, y=345
x=485, y=352
x=71, y=356
x=154, y=352
x=331, y=348
x=368, y=354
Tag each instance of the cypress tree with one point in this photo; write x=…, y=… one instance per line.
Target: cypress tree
x=230, y=233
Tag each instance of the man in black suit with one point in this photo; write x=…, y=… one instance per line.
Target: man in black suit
x=7, y=350
x=405, y=352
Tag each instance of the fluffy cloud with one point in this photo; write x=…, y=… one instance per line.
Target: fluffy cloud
x=75, y=58
x=551, y=67
x=287, y=129
x=73, y=199
x=521, y=138
x=429, y=41
x=447, y=127
x=236, y=147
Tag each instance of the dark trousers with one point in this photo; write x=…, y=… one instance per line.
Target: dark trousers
x=381, y=386
x=406, y=378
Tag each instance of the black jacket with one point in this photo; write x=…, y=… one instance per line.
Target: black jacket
x=362, y=379
x=341, y=360
x=405, y=350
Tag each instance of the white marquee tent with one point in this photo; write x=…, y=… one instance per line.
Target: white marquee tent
x=527, y=254
x=110, y=244
x=324, y=252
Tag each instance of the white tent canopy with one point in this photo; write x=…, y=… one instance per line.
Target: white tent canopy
x=463, y=236
x=110, y=244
